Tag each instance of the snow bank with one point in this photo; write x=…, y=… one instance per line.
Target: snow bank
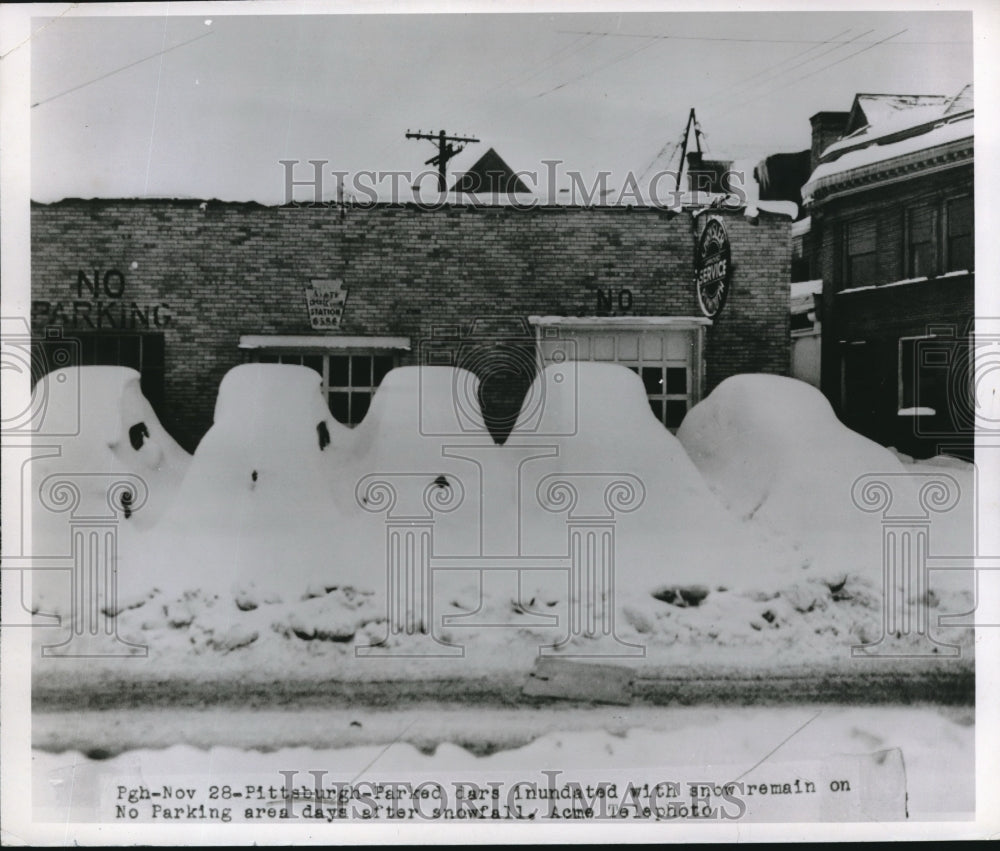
x=418, y=415
x=775, y=452
x=98, y=425
x=113, y=430
x=255, y=515
x=678, y=533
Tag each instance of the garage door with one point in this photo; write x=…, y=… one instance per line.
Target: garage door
x=664, y=352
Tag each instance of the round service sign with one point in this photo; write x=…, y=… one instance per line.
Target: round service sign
x=712, y=268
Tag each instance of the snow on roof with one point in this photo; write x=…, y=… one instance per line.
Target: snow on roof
x=852, y=162
x=889, y=115
x=962, y=101
x=878, y=108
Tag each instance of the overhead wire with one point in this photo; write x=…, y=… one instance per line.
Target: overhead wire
x=552, y=59
x=746, y=40
x=621, y=58
x=740, y=92
x=826, y=67
x=119, y=70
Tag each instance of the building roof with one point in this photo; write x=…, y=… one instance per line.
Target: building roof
x=871, y=109
x=490, y=174
x=911, y=130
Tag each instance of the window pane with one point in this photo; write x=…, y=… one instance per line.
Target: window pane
x=338, y=406
x=861, y=237
x=676, y=409
x=657, y=407
x=292, y=360
x=960, y=217
x=960, y=253
x=921, y=224
x=382, y=365
x=264, y=357
x=921, y=260
x=862, y=270
x=313, y=362
x=361, y=371
x=338, y=371
x=677, y=379
x=652, y=377
x=359, y=406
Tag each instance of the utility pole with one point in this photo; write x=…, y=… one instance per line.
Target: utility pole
x=697, y=137
x=445, y=151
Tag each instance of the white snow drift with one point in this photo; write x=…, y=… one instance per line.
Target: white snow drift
x=256, y=509
x=775, y=452
x=96, y=429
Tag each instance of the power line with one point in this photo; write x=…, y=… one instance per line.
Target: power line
x=745, y=40
x=799, y=65
x=552, y=59
x=119, y=70
x=659, y=154
x=729, y=91
x=818, y=70
x=445, y=151
x=627, y=55
x=768, y=68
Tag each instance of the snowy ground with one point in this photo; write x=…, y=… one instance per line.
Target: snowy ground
x=266, y=554
x=738, y=548
x=646, y=743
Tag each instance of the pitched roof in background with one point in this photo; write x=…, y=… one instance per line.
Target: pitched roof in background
x=960, y=102
x=490, y=174
x=913, y=131
x=909, y=115
x=873, y=109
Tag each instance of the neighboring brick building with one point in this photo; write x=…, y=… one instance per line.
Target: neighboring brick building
x=891, y=234
x=189, y=289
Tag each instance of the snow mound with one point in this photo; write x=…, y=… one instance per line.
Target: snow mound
x=256, y=508
x=670, y=529
x=96, y=426
x=775, y=452
x=418, y=416
x=108, y=427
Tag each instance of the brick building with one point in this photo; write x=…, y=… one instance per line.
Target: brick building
x=185, y=290
x=890, y=233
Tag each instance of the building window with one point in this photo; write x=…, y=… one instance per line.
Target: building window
x=142, y=351
x=959, y=246
x=667, y=360
x=923, y=376
x=349, y=379
x=860, y=259
x=920, y=259
x=667, y=389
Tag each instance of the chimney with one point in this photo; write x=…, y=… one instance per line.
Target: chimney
x=827, y=128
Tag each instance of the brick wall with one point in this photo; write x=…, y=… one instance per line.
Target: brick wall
x=886, y=207
x=205, y=273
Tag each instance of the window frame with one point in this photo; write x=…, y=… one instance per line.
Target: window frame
x=934, y=264
x=325, y=354
x=946, y=237
x=847, y=257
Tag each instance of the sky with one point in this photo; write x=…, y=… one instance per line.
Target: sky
x=207, y=105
